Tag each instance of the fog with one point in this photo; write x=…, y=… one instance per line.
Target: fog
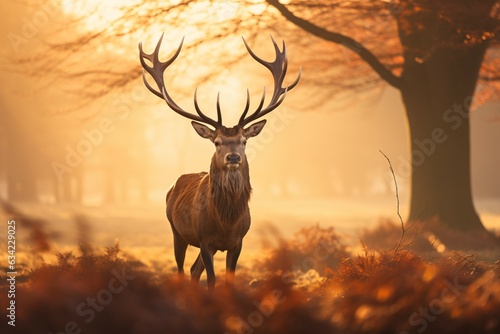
x=128, y=147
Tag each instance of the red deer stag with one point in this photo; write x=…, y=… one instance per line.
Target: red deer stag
x=210, y=210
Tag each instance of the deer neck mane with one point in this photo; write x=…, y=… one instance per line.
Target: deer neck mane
x=230, y=191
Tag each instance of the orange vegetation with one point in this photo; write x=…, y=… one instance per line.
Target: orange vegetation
x=309, y=284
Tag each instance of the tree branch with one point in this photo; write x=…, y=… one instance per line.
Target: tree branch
x=346, y=41
x=489, y=78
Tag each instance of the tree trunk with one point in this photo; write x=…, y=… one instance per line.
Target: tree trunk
x=21, y=172
x=110, y=190
x=437, y=94
x=20, y=180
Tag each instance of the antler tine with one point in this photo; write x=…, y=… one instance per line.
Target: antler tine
x=158, y=67
x=157, y=70
x=247, y=106
x=278, y=69
x=205, y=118
x=242, y=120
x=219, y=113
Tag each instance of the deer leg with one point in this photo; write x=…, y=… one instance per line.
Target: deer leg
x=197, y=269
x=231, y=260
x=207, y=255
x=180, y=247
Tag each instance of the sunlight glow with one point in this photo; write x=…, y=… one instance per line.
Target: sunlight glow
x=97, y=14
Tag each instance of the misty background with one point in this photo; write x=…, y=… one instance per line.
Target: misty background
x=127, y=148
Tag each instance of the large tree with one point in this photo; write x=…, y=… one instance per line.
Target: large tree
x=442, y=56
x=433, y=51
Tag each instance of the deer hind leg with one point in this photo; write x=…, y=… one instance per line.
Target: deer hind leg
x=197, y=269
x=180, y=247
x=231, y=260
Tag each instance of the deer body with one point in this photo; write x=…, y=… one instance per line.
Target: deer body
x=196, y=218
x=219, y=220
x=210, y=210
x=203, y=226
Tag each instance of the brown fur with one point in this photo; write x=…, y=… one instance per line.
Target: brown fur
x=219, y=198
x=230, y=192
x=210, y=210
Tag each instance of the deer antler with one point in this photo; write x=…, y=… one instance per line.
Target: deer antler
x=278, y=69
x=157, y=70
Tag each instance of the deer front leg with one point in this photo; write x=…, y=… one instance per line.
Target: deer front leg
x=231, y=260
x=207, y=256
x=197, y=269
x=180, y=247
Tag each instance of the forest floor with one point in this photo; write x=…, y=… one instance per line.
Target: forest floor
x=111, y=270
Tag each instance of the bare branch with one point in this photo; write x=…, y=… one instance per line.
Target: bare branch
x=397, y=201
x=403, y=229
x=346, y=41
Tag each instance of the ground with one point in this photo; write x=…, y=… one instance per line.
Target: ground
x=302, y=270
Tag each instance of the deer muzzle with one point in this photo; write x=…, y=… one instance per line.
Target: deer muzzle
x=233, y=160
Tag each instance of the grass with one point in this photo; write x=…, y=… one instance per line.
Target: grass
x=309, y=283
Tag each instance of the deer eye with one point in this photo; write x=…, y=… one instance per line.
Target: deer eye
x=244, y=142
x=217, y=144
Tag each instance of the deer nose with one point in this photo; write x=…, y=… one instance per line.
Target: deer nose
x=233, y=158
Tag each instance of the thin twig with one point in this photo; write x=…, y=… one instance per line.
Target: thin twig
x=416, y=233
x=397, y=203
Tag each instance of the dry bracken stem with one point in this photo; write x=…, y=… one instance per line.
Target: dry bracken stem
x=397, y=203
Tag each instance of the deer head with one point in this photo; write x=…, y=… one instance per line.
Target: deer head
x=229, y=142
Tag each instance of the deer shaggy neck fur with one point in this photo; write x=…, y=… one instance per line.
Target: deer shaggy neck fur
x=230, y=191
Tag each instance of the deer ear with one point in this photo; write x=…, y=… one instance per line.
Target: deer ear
x=203, y=130
x=254, y=129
